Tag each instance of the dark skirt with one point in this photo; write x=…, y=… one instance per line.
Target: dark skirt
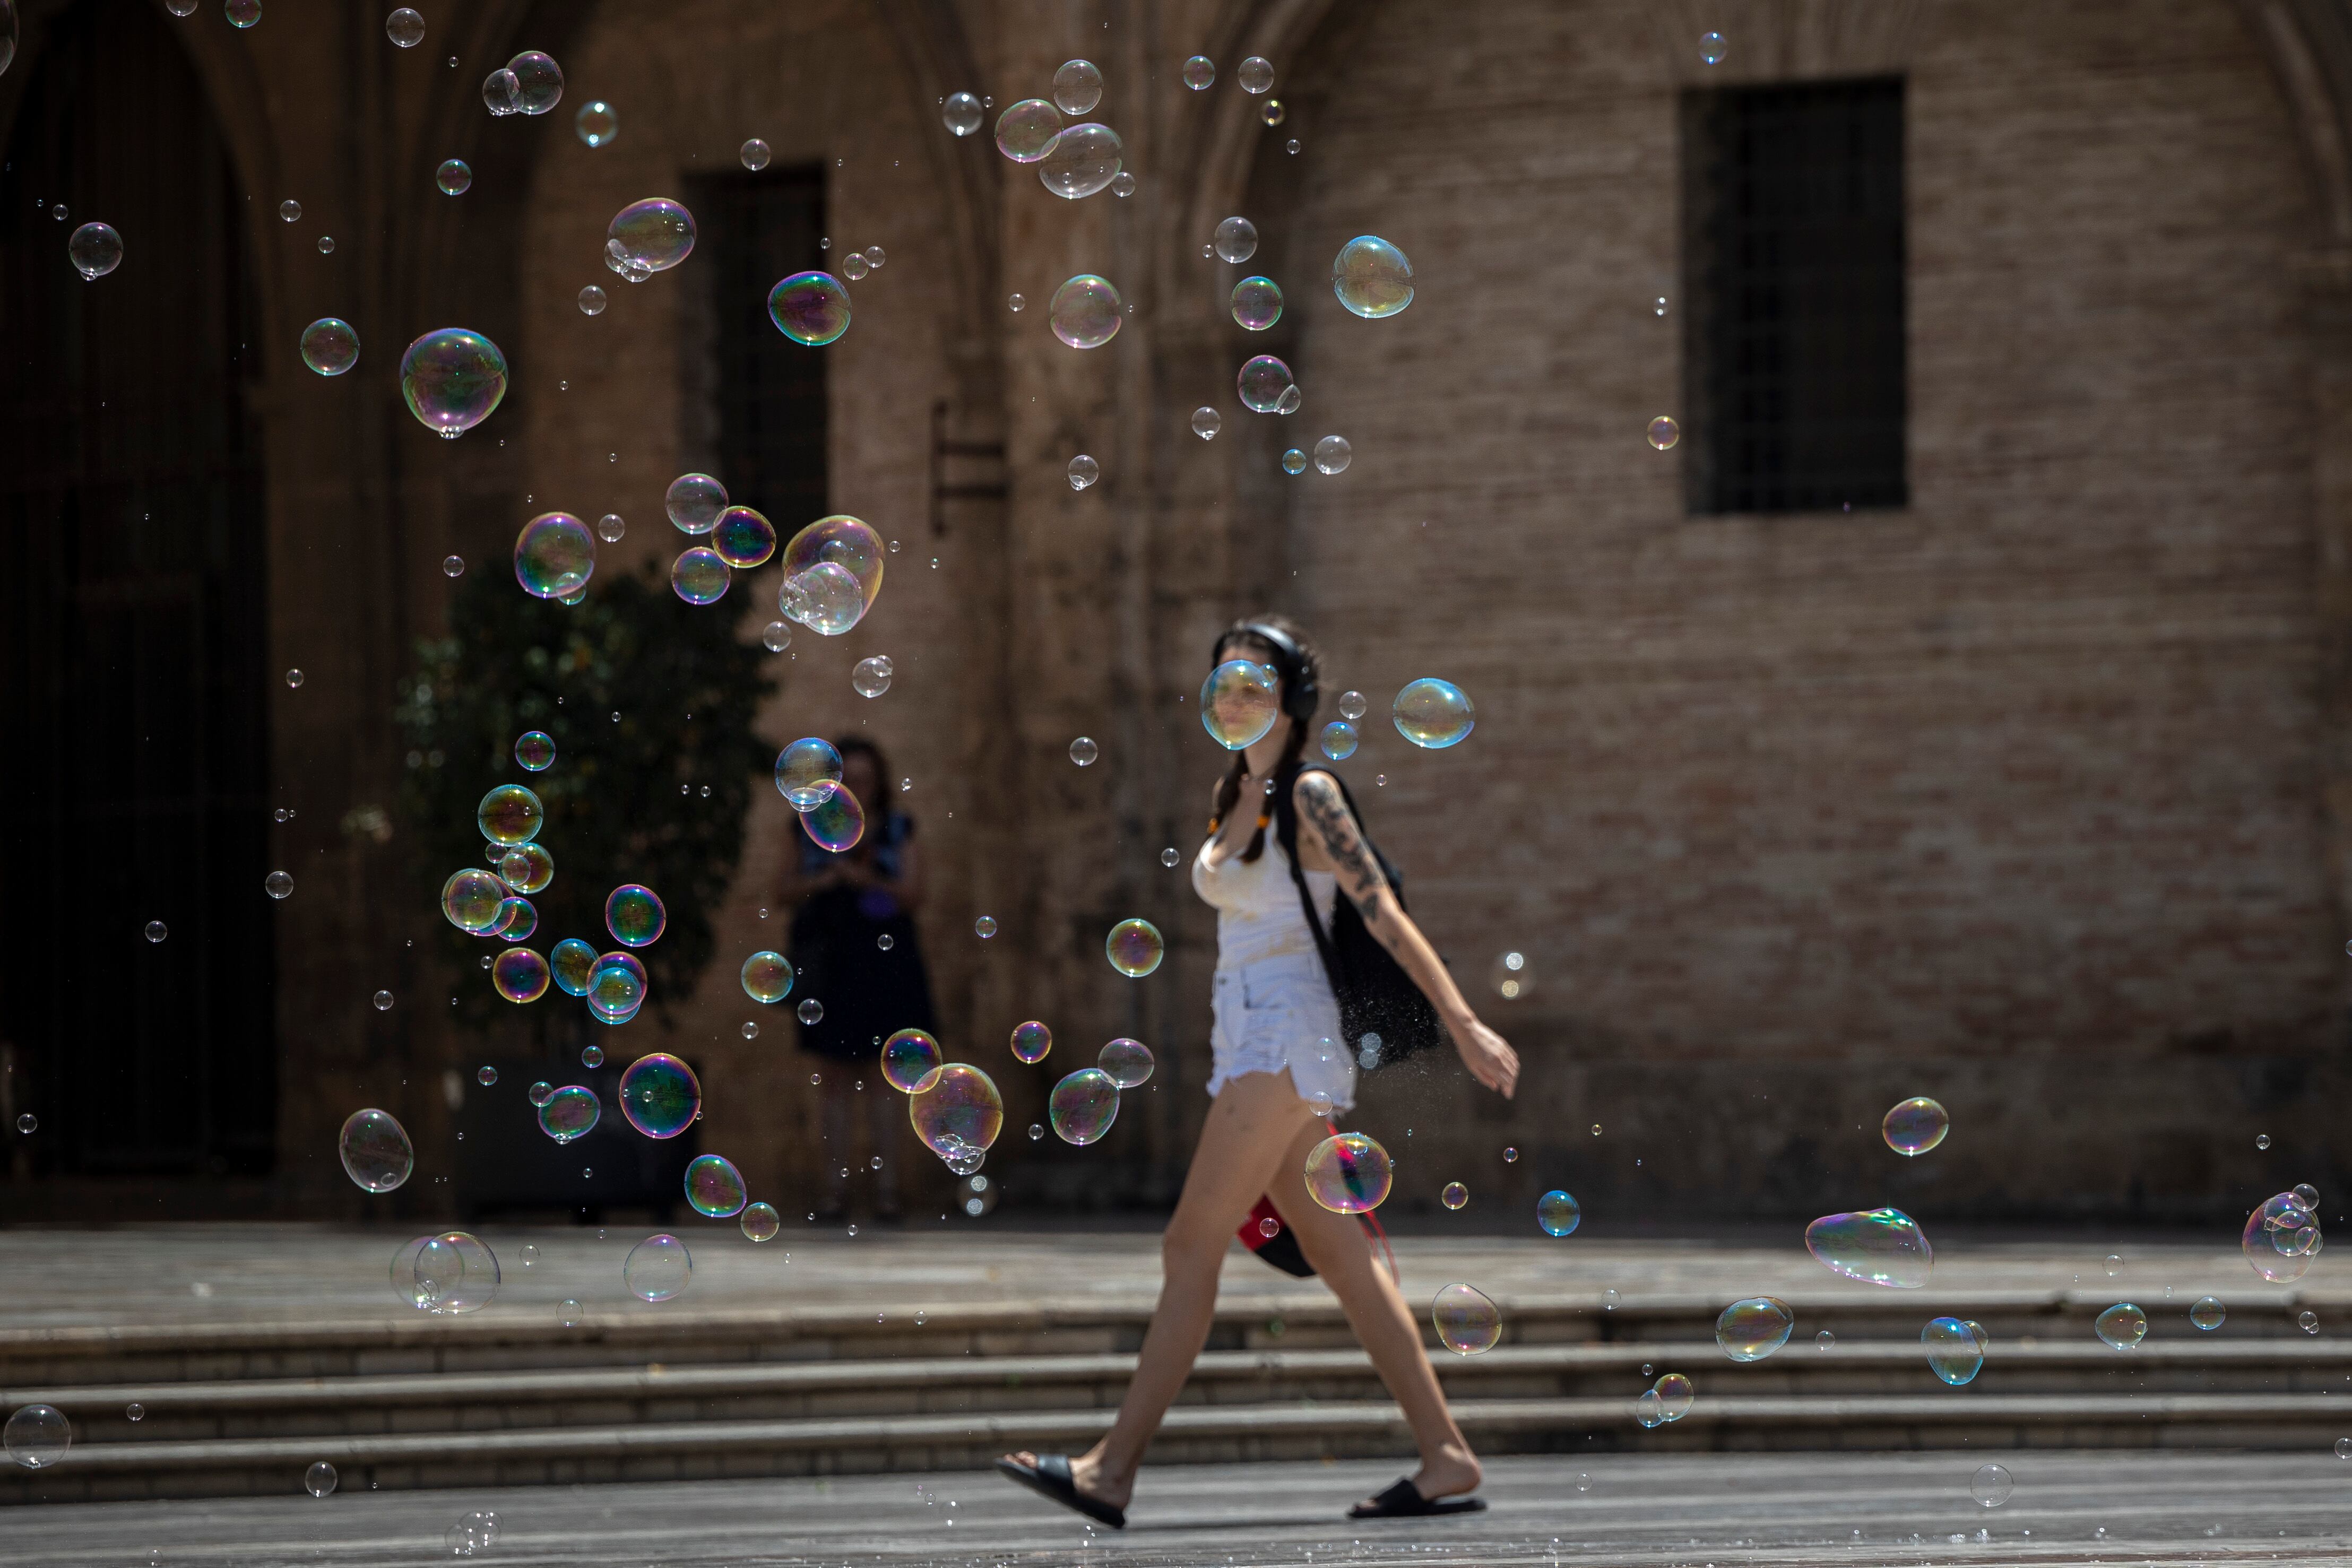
x=868, y=994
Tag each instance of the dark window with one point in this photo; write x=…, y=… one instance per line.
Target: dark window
x=755, y=406
x=1792, y=248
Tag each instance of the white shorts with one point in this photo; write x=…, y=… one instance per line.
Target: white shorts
x=1278, y=1014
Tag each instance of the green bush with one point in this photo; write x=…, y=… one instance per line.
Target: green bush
x=656, y=795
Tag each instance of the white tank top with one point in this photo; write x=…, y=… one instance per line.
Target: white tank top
x=1257, y=903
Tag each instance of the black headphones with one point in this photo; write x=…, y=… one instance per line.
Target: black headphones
x=1299, y=692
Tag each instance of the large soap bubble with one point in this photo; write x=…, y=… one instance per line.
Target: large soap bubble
x=1915, y=1126
x=694, y=502
x=1085, y=311
x=657, y=1268
x=569, y=1113
x=1954, y=1351
x=635, y=916
x=1349, y=1173
x=472, y=898
x=1755, y=1328
x=1083, y=1106
x=1433, y=714
x=767, y=977
x=1238, y=704
x=1467, y=1322
x=539, y=82
x=1135, y=947
x=554, y=556
x=807, y=771
x=846, y=544
x=1371, y=278
x=375, y=1150
x=836, y=823
x=911, y=1062
x=962, y=1109
x=1263, y=382
x=330, y=346
x=1084, y=160
x=714, y=1187
x=1128, y=1061
x=509, y=814
x=810, y=308
x=1027, y=131
x=648, y=236
x=660, y=1095
x=452, y=380
x=1876, y=1246
x=2282, y=1237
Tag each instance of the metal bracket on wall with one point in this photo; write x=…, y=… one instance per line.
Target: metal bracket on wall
x=944, y=452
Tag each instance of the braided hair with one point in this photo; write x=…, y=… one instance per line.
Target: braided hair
x=1310, y=661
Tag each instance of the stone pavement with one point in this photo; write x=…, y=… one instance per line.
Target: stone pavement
x=1668, y=1511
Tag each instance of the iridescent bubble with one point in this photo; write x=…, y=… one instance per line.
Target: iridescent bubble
x=1085, y=311
x=870, y=677
x=1467, y=1322
x=520, y=975
x=1675, y=1395
x=1237, y=703
x=242, y=13
x=527, y=868
x=570, y=963
x=1349, y=1173
x=961, y=113
x=984, y=927
x=1352, y=705
x=1083, y=1106
x=816, y=563
x=812, y=1012
x=660, y=1095
x=1876, y=1246
x=1257, y=74
x=404, y=27
x=635, y=916
x=1032, y=1040
x=1915, y=1126
x=517, y=919
x=1135, y=947
x=330, y=346
x=1084, y=471
x=1078, y=87
x=449, y=1273
x=554, y=555
x=594, y=1055
x=1332, y=454
x=2208, y=1313
x=470, y=898
x=1258, y=303
x=1649, y=1410
x=963, y=1108
x=714, y=1187
x=1371, y=278
x=699, y=576
x=2308, y=1194
x=1454, y=1195
x=454, y=176
x=911, y=1062
x=1663, y=433
x=1127, y=1062
x=767, y=977
x=569, y=1113
x=1263, y=383
x=452, y=380
x=759, y=1222
x=824, y=597
x=807, y=772
x=743, y=539
x=1953, y=1353
x=810, y=308
x=1027, y=131
x=615, y=992
x=2281, y=1237
x=1990, y=1486
x=319, y=1480
x=1293, y=462
x=1083, y=751
x=649, y=236
x=1236, y=239
x=1433, y=714
x=539, y=1093
x=1206, y=423
x=487, y=1076
x=1755, y=1328
x=1200, y=72
x=2122, y=1326
x=534, y=752
x=1557, y=1213
x=375, y=1150
x=754, y=155
x=657, y=1268
x=36, y=1435
x=1338, y=741
x=775, y=636
x=1084, y=159
x=591, y=301
x=1711, y=49
x=502, y=93
x=836, y=823
x=597, y=123
x=539, y=83
x=509, y=814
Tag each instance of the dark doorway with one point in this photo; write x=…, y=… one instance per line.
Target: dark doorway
x=133, y=636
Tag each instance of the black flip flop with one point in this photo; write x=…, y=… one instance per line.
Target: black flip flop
x=1403, y=1500
x=1050, y=1478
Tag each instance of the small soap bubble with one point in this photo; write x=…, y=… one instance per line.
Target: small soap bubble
x=278, y=884
x=1237, y=703
x=1078, y=87
x=1271, y=111
x=761, y=1222
x=375, y=1150
x=812, y=308
x=1128, y=1061
x=1332, y=454
x=1755, y=1328
x=501, y=93
x=961, y=114
x=28, y=1123
x=871, y=678
x=1263, y=383
x=594, y=1055
x=1085, y=311
x=1256, y=303
x=1293, y=462
x=1032, y=1040
x=1352, y=705
x=1200, y=72
x=984, y=927
x=1991, y=1485
x=1236, y=239
x=404, y=27
x=320, y=1477
x=1825, y=1339
x=1257, y=74
x=591, y=301
x=453, y=566
x=754, y=155
x=597, y=123
x=1134, y=948
x=1122, y=184
x=1711, y=49
x=1955, y=1354
x=1877, y=1246
x=1168, y=857
x=1915, y=1126
x=326, y=245
x=37, y=1437
x=330, y=346
x=1557, y=1214
x=2208, y=1314
x=156, y=931
x=1084, y=471
x=539, y=82
x=1664, y=433
x=452, y=380
x=699, y=576
x=2122, y=1325
x=95, y=249
x=1083, y=1106
x=2261, y=1140
x=1455, y=1195
x=655, y=1269
x=1013, y=303
x=1206, y=423
x=1467, y=1321
x=1027, y=130
x=290, y=209
x=853, y=266
x=1349, y=1173
x=1083, y=751
x=2307, y=1322
x=810, y=1011
x=1371, y=278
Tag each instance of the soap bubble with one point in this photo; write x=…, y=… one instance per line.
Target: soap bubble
x=509, y=814
x=824, y=597
x=1876, y=1246
x=961, y=114
x=1237, y=703
x=2307, y=1322
x=812, y=1012
x=1168, y=857
x=1263, y=382
x=615, y=992
x=452, y=380
x=502, y=93
x=911, y=1062
x=1083, y=751
x=767, y=977
x=1271, y=111
x=1084, y=160
x=1084, y=471
x=1433, y=714
x=1206, y=423
x=1349, y=1173
x=2281, y=1237
x=1256, y=303
x=836, y=823
x=330, y=346
x=1648, y=1409
x=1135, y=947
x=527, y=868
x=1078, y=87
x=2308, y=1194
x=810, y=308
x=2208, y=1313
x=157, y=931
x=648, y=236
x=1085, y=311
x=1755, y=1328
x=807, y=772
x=1990, y=1486
x=699, y=576
x=1338, y=740
x=694, y=503
x=657, y=1268
x=2261, y=1140
x=1915, y=1126
x=470, y=898
x=1127, y=1062
x=591, y=301
x=1371, y=278
x=984, y=927
x=1236, y=239
x=1455, y=1195
x=818, y=559
x=1083, y=1106
x=1467, y=1321
x=2122, y=1325
x=1953, y=1353
x=319, y=1480
x=554, y=555
x=1557, y=1213
x=456, y=177
x=1293, y=462
x=597, y=123
x=534, y=752
x=963, y=1108
x=775, y=636
x=37, y=1436
x=517, y=919
x=1014, y=303
x=744, y=538
x=754, y=155
x=1257, y=74
x=375, y=1150
x=1675, y=1395
x=539, y=84
x=571, y=964
x=1664, y=433
x=635, y=916
x=404, y=27
x=1332, y=454
x=449, y=1273
x=1199, y=72
x=1032, y=1040
x=1711, y=49
x=1122, y=184
x=714, y=1187
x=519, y=974
x=759, y=1222
x=660, y=1095
x=1027, y=131
x=569, y=1113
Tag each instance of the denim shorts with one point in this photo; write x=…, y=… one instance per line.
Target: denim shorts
x=1278, y=1014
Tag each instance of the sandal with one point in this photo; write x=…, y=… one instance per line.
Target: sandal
x=1050, y=1478
x=1403, y=1500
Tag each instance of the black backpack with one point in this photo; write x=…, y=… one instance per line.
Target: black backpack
x=1382, y=1012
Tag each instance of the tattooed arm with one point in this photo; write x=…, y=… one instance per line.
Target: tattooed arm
x=1328, y=840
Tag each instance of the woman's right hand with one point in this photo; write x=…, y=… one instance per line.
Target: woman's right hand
x=1487, y=1055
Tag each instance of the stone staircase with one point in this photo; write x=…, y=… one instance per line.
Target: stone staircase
x=516, y=1397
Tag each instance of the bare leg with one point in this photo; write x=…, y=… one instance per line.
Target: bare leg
x=1251, y=1128
x=1390, y=1333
